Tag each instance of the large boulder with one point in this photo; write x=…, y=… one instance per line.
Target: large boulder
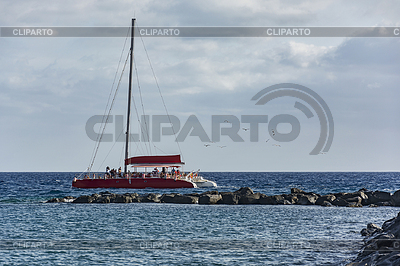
x=186, y=199
x=271, y=200
x=209, y=199
x=381, y=246
x=244, y=191
x=304, y=199
x=84, y=199
x=290, y=198
x=339, y=202
x=326, y=198
x=375, y=197
x=150, y=198
x=396, y=198
x=168, y=198
x=230, y=198
x=297, y=191
x=249, y=198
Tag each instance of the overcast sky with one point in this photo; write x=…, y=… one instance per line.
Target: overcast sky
x=50, y=87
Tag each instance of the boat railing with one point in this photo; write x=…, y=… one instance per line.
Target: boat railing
x=180, y=176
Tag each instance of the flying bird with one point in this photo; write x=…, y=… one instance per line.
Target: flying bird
x=245, y=129
x=206, y=145
x=221, y=147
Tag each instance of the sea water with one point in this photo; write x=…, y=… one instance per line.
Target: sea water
x=36, y=233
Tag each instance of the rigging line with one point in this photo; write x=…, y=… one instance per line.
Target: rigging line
x=159, y=90
x=137, y=113
x=108, y=115
x=141, y=101
x=108, y=100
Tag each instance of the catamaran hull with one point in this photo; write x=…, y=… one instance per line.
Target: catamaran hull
x=205, y=183
x=137, y=183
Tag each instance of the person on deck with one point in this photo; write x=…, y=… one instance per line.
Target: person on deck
x=173, y=172
x=155, y=172
x=107, y=172
x=163, y=173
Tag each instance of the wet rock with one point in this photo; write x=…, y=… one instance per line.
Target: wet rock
x=209, y=199
x=375, y=197
x=214, y=192
x=249, y=198
x=244, y=191
x=326, y=204
x=186, y=199
x=84, y=199
x=168, y=198
x=371, y=229
x=326, y=198
x=396, y=198
x=354, y=205
x=267, y=200
x=292, y=198
x=340, y=202
x=271, y=200
x=296, y=191
x=150, y=198
x=381, y=244
x=230, y=198
x=55, y=200
x=385, y=203
x=305, y=199
x=356, y=200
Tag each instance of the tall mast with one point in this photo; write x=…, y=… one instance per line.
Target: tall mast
x=129, y=98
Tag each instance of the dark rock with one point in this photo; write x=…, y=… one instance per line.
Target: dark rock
x=209, y=199
x=377, y=196
x=249, y=198
x=286, y=202
x=326, y=204
x=185, y=199
x=292, y=198
x=214, y=192
x=327, y=198
x=356, y=200
x=396, y=198
x=230, y=198
x=267, y=200
x=244, y=191
x=104, y=199
x=168, y=198
x=340, y=202
x=271, y=200
x=354, y=204
x=150, y=198
x=381, y=244
x=306, y=199
x=55, y=200
x=385, y=203
x=84, y=199
x=371, y=229
x=296, y=191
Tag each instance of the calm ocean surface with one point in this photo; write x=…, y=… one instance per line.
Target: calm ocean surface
x=34, y=233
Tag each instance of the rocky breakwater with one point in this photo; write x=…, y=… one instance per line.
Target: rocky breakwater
x=381, y=245
x=246, y=195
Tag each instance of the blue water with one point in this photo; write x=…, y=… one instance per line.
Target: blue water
x=35, y=233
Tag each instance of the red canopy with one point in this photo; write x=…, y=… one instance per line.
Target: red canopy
x=159, y=160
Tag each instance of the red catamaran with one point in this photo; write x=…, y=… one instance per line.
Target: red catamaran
x=143, y=179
